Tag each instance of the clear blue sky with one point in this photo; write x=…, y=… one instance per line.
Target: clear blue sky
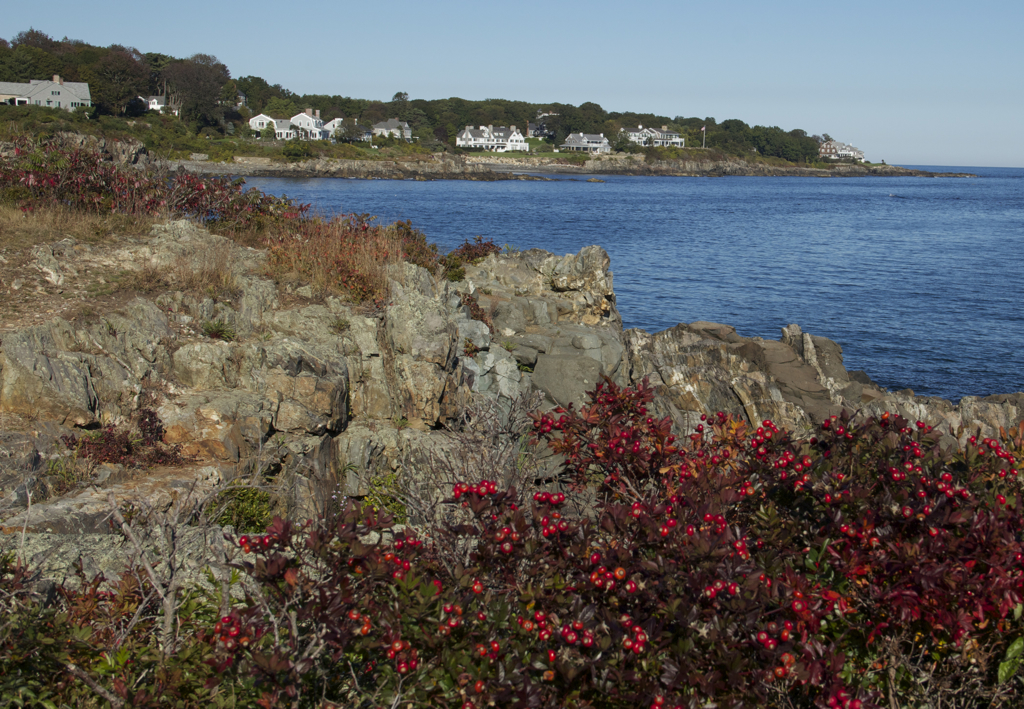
x=929, y=83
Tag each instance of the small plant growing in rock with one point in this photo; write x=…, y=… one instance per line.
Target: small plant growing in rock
x=470, y=252
x=469, y=348
x=339, y=326
x=509, y=345
x=218, y=330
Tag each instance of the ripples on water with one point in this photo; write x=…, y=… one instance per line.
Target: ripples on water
x=918, y=279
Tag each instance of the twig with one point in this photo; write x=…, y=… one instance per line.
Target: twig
x=74, y=670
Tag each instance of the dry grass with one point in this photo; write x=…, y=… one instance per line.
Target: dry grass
x=334, y=259
x=210, y=270
x=21, y=231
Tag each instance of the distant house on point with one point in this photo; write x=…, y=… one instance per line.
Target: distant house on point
x=834, y=150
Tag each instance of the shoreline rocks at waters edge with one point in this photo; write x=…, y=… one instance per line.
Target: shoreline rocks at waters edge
x=326, y=408
x=442, y=166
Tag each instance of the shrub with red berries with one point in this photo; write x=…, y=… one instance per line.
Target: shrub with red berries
x=865, y=566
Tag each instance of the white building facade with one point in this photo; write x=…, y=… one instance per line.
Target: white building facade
x=498, y=140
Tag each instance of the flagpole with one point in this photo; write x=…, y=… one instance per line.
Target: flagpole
x=703, y=137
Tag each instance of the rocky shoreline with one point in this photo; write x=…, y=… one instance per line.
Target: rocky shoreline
x=441, y=166
x=327, y=396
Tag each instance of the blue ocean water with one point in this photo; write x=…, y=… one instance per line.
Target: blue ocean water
x=919, y=279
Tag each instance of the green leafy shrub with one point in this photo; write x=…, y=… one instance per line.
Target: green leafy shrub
x=245, y=508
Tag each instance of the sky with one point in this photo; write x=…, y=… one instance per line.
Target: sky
x=911, y=83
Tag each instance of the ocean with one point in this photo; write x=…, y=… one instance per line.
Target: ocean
x=918, y=279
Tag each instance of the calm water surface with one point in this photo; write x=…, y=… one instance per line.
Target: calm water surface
x=919, y=279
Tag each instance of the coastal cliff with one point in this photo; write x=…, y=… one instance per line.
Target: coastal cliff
x=325, y=397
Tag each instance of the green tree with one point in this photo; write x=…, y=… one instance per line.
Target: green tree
x=118, y=78
x=196, y=84
x=280, y=108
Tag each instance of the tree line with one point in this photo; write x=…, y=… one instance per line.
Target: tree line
x=207, y=97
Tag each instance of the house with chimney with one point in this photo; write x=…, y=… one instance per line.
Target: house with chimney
x=499, y=140
x=55, y=93
x=308, y=125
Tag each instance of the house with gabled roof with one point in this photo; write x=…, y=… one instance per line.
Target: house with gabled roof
x=586, y=143
x=55, y=93
x=308, y=125
x=834, y=150
x=498, y=140
x=395, y=127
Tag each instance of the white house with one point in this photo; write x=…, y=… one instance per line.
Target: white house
x=834, y=150
x=586, y=143
x=393, y=126
x=498, y=140
x=309, y=126
x=57, y=93
x=338, y=126
x=663, y=138
x=335, y=125
x=283, y=129
x=158, y=103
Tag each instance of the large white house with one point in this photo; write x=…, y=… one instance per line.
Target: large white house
x=586, y=143
x=498, y=140
x=57, y=93
x=663, y=138
x=393, y=126
x=308, y=125
x=834, y=150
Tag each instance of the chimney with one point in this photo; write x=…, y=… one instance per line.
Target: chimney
x=309, y=112
x=664, y=128
x=469, y=127
x=56, y=79
x=318, y=113
x=513, y=129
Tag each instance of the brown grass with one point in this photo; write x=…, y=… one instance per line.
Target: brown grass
x=331, y=249
x=21, y=230
x=211, y=271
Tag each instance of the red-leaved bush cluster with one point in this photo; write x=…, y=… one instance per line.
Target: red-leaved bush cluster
x=75, y=178
x=866, y=566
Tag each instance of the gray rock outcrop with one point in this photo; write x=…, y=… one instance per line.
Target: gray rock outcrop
x=324, y=396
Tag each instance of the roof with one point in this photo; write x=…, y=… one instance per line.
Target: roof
x=391, y=124
x=79, y=89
